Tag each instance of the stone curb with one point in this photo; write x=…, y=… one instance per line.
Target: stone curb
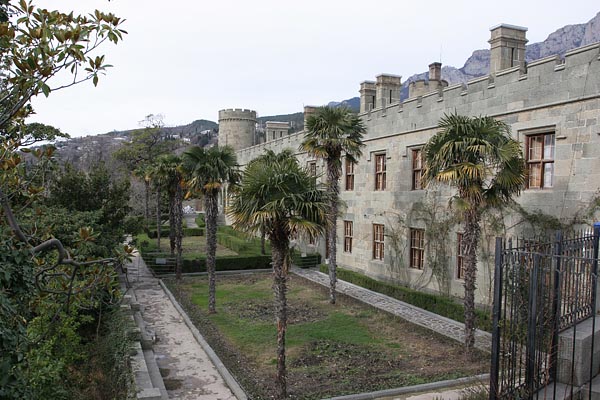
x=229, y=379
x=413, y=389
x=232, y=272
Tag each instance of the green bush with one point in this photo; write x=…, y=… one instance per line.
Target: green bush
x=441, y=305
x=308, y=261
x=164, y=233
x=193, y=231
x=200, y=221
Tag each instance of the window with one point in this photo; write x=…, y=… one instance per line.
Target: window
x=378, y=238
x=312, y=168
x=417, y=248
x=348, y=233
x=460, y=257
x=380, y=172
x=417, y=169
x=349, y=175
x=540, y=160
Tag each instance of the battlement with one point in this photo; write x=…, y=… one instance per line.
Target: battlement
x=542, y=83
x=237, y=113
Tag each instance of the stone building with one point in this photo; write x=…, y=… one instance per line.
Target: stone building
x=393, y=229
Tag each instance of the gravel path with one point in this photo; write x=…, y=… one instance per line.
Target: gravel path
x=418, y=316
x=187, y=371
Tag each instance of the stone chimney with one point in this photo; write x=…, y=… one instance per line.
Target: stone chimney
x=435, y=71
x=367, y=96
x=507, y=47
x=388, y=90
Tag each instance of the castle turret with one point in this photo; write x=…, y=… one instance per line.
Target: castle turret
x=237, y=128
x=507, y=47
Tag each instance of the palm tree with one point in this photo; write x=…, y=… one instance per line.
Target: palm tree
x=478, y=156
x=331, y=133
x=282, y=199
x=267, y=158
x=169, y=174
x=210, y=170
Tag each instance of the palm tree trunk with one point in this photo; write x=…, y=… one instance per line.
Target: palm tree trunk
x=211, y=209
x=178, y=228
x=172, y=227
x=158, y=222
x=333, y=176
x=279, y=251
x=471, y=239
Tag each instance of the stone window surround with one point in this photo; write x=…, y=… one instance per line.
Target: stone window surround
x=528, y=134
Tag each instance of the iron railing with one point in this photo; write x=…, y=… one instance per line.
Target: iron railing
x=540, y=290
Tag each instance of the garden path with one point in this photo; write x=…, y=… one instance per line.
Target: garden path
x=445, y=326
x=187, y=370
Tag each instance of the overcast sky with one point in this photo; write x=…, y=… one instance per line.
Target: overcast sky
x=189, y=59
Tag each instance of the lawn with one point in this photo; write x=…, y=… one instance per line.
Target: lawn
x=332, y=350
x=193, y=246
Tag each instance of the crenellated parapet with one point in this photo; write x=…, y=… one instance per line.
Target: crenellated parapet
x=543, y=83
x=237, y=128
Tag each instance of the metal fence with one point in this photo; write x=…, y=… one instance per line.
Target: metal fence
x=540, y=289
x=160, y=263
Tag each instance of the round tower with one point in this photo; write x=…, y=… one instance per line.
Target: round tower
x=237, y=128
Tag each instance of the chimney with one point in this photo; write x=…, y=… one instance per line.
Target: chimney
x=507, y=47
x=388, y=89
x=435, y=71
x=367, y=96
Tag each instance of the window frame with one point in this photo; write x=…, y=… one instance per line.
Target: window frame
x=417, y=252
x=378, y=242
x=348, y=235
x=312, y=168
x=417, y=170
x=349, y=173
x=541, y=162
x=380, y=172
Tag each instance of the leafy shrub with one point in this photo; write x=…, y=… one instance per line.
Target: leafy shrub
x=441, y=305
x=200, y=221
x=193, y=231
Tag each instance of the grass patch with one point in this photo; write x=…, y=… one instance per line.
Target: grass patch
x=331, y=350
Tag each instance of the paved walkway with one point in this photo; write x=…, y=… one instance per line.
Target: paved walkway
x=445, y=326
x=187, y=370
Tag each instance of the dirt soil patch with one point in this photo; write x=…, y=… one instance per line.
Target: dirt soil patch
x=331, y=350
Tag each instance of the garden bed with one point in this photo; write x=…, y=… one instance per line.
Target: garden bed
x=332, y=350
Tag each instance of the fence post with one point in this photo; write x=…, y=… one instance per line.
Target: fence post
x=495, y=367
x=532, y=327
x=556, y=266
x=594, y=300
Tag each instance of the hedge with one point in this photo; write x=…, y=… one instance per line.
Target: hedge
x=441, y=305
x=234, y=263
x=308, y=261
x=164, y=232
x=200, y=221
